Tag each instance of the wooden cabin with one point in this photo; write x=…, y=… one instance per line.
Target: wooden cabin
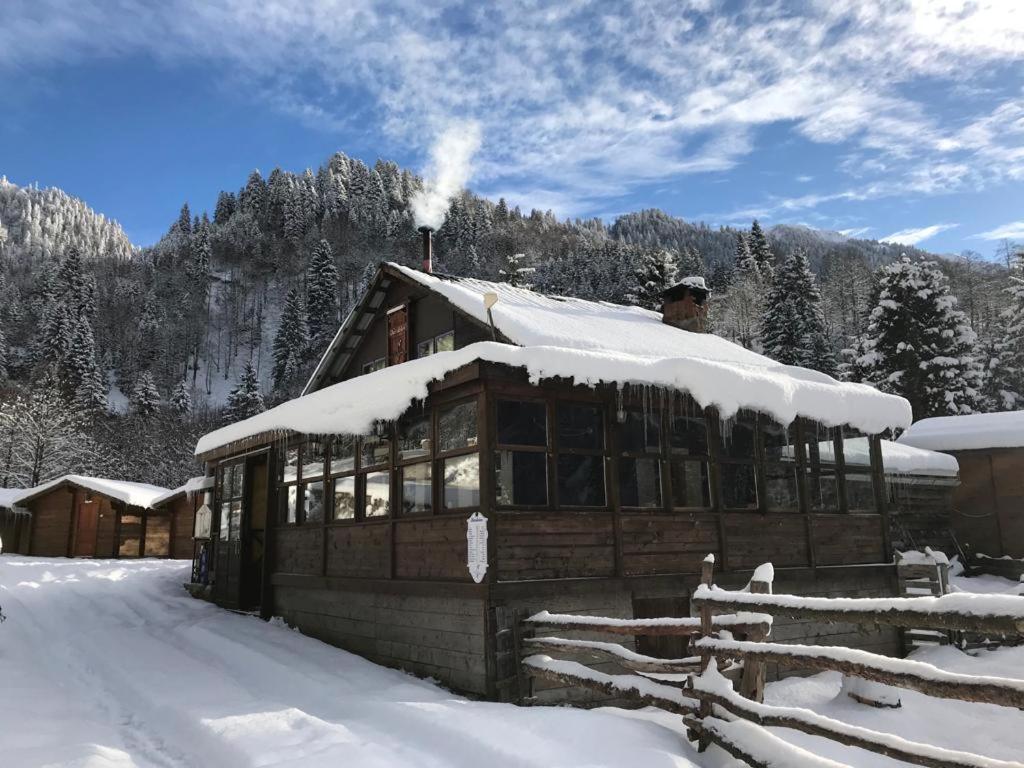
x=988, y=505
x=78, y=516
x=467, y=452
x=178, y=509
x=14, y=522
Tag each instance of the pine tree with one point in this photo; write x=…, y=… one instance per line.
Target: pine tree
x=792, y=329
x=226, y=204
x=84, y=379
x=201, y=253
x=145, y=398
x=290, y=343
x=321, y=295
x=513, y=270
x=4, y=351
x=245, y=399
x=655, y=271
x=743, y=260
x=690, y=263
x=185, y=221
x=253, y=197
x=1005, y=383
x=760, y=251
x=918, y=344
x=181, y=398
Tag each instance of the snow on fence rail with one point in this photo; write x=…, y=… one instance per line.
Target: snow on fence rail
x=736, y=722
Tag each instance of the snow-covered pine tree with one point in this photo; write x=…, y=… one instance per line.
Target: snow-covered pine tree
x=1005, y=384
x=84, y=380
x=245, y=399
x=226, y=204
x=760, y=250
x=201, y=253
x=185, y=221
x=655, y=271
x=3, y=355
x=792, y=329
x=145, y=398
x=321, y=296
x=918, y=343
x=690, y=263
x=291, y=343
x=514, y=269
x=743, y=260
x=181, y=398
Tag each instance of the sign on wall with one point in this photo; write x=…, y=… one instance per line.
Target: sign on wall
x=204, y=521
x=476, y=546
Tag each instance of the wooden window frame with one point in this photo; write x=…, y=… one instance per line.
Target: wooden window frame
x=604, y=452
x=715, y=445
x=794, y=436
x=440, y=456
x=331, y=476
x=496, y=398
x=704, y=458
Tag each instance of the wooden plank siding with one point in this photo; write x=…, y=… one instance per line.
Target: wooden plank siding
x=988, y=506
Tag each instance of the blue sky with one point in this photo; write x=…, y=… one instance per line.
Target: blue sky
x=899, y=119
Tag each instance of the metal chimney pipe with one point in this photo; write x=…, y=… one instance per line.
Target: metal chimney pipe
x=428, y=249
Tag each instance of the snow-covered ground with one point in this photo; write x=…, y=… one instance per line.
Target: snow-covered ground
x=110, y=663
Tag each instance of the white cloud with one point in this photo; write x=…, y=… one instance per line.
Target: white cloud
x=587, y=103
x=915, y=236
x=1012, y=231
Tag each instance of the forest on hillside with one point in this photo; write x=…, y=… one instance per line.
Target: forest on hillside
x=107, y=347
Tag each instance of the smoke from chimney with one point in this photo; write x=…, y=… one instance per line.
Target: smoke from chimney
x=447, y=173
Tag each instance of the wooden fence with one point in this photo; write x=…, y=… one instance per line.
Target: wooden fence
x=699, y=687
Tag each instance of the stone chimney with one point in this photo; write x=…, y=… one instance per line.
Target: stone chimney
x=685, y=305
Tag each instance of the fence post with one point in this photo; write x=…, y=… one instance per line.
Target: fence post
x=752, y=684
x=707, y=572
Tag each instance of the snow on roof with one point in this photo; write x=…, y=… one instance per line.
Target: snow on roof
x=784, y=392
x=134, y=494
x=899, y=459
x=9, y=496
x=192, y=485
x=964, y=433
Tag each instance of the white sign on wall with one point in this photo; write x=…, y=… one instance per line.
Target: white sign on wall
x=476, y=546
x=204, y=521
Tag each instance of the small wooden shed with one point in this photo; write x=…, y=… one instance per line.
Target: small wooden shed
x=79, y=516
x=14, y=522
x=179, y=507
x=988, y=505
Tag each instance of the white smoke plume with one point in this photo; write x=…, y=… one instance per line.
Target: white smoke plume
x=448, y=171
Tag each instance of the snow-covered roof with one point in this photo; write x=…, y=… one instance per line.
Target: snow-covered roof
x=133, y=494
x=9, y=496
x=899, y=459
x=784, y=392
x=964, y=433
x=192, y=485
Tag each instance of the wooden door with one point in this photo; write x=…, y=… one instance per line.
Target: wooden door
x=398, y=334
x=86, y=528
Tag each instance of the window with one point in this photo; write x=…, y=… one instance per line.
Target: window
x=417, y=491
x=640, y=463
x=345, y=498
x=821, y=468
x=343, y=454
x=462, y=481
x=414, y=438
x=580, y=464
x=457, y=427
x=230, y=485
x=736, y=461
x=443, y=342
x=289, y=498
x=374, y=365
x=520, y=461
x=858, y=481
x=343, y=482
x=377, y=494
x=688, y=458
x=780, y=478
x=375, y=451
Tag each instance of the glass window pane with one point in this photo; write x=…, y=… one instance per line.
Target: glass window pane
x=857, y=453
x=520, y=478
x=374, y=365
x=522, y=423
x=313, y=457
x=690, y=486
x=738, y=436
x=777, y=443
x=237, y=479
x=345, y=498
x=425, y=348
x=343, y=454
x=823, y=489
x=292, y=504
x=313, y=503
x=640, y=432
x=445, y=342
x=457, y=426
x=780, y=486
x=236, y=521
x=860, y=495
x=290, y=468
x=222, y=482
x=414, y=438
x=375, y=451
x=416, y=489
x=689, y=435
x=640, y=482
x=225, y=520
x=580, y=426
x=738, y=488
x=580, y=480
x=378, y=494
x=462, y=481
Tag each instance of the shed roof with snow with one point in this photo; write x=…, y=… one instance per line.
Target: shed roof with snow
x=589, y=342
x=967, y=433
x=191, y=486
x=133, y=494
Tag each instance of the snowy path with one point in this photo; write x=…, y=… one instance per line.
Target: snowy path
x=110, y=663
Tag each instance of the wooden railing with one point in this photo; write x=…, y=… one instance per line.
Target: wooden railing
x=715, y=712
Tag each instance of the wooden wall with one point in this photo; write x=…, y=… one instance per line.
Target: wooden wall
x=14, y=530
x=988, y=514
x=52, y=519
x=181, y=513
